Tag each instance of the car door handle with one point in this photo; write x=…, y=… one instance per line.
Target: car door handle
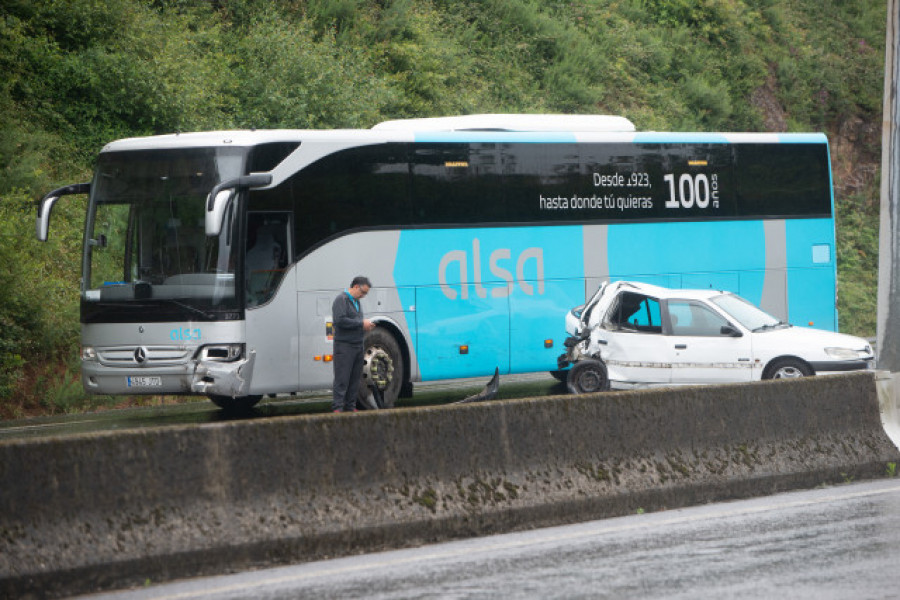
x=681, y=346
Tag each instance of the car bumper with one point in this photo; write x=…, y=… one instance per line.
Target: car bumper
x=842, y=366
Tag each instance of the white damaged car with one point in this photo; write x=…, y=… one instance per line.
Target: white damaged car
x=632, y=334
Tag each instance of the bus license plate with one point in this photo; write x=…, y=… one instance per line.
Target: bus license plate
x=145, y=382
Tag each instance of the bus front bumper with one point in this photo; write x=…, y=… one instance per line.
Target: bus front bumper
x=211, y=378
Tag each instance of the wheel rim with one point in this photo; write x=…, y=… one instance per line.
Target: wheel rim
x=378, y=367
x=788, y=372
x=590, y=380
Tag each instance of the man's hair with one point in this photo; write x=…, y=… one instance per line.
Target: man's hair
x=360, y=281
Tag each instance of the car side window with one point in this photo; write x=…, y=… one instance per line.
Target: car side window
x=694, y=319
x=634, y=312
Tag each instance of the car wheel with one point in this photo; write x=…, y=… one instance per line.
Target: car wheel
x=587, y=377
x=787, y=368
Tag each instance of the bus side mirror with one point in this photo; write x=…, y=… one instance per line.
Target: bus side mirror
x=45, y=206
x=221, y=197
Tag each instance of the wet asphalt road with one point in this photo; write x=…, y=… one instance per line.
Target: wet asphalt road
x=831, y=543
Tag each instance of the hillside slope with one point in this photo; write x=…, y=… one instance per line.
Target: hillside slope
x=80, y=73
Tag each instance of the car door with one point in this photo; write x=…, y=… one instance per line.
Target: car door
x=700, y=350
x=631, y=342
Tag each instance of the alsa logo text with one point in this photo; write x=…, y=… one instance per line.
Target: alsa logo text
x=501, y=265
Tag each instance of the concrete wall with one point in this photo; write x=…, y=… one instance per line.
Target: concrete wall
x=104, y=510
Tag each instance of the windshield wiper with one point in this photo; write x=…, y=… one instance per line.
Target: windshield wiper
x=120, y=303
x=206, y=315
x=769, y=326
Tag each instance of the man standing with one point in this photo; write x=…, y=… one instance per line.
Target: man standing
x=349, y=329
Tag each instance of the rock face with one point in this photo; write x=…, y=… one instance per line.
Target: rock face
x=855, y=143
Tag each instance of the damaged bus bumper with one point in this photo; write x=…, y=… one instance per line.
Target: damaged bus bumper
x=181, y=374
x=232, y=379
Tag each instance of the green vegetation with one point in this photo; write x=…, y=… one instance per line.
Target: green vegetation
x=78, y=73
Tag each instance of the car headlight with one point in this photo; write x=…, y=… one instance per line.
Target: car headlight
x=845, y=353
x=88, y=353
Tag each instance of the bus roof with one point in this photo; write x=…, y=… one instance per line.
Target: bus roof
x=511, y=122
x=485, y=128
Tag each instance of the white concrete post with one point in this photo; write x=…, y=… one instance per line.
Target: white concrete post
x=889, y=242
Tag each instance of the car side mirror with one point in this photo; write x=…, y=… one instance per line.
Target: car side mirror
x=731, y=331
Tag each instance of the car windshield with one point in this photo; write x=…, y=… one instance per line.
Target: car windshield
x=145, y=241
x=746, y=313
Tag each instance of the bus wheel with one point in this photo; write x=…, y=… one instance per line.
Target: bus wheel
x=239, y=404
x=587, y=377
x=787, y=368
x=383, y=366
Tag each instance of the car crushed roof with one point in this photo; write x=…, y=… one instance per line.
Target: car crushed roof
x=663, y=293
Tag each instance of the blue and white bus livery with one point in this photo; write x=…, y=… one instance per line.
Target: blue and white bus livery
x=210, y=259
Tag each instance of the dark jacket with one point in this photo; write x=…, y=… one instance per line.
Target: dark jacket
x=347, y=320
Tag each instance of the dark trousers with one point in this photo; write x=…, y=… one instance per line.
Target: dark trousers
x=348, y=364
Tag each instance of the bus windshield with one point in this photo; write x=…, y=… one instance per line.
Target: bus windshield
x=145, y=242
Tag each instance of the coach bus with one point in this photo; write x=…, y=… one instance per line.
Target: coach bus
x=211, y=259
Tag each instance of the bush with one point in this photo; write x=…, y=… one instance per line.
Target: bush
x=38, y=290
x=857, y=259
x=294, y=76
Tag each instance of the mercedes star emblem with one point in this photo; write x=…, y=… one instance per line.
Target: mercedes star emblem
x=140, y=355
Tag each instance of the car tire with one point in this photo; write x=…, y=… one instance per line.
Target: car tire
x=587, y=376
x=787, y=368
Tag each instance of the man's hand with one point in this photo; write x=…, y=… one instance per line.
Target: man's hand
x=368, y=325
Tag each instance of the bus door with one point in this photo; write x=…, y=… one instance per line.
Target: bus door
x=315, y=338
x=271, y=299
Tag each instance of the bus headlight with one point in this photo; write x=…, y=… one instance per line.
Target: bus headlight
x=845, y=353
x=221, y=352
x=88, y=353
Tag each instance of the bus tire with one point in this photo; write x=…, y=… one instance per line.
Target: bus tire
x=239, y=404
x=587, y=376
x=383, y=366
x=787, y=368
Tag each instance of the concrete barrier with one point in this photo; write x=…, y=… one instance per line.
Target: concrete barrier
x=96, y=511
x=889, y=401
